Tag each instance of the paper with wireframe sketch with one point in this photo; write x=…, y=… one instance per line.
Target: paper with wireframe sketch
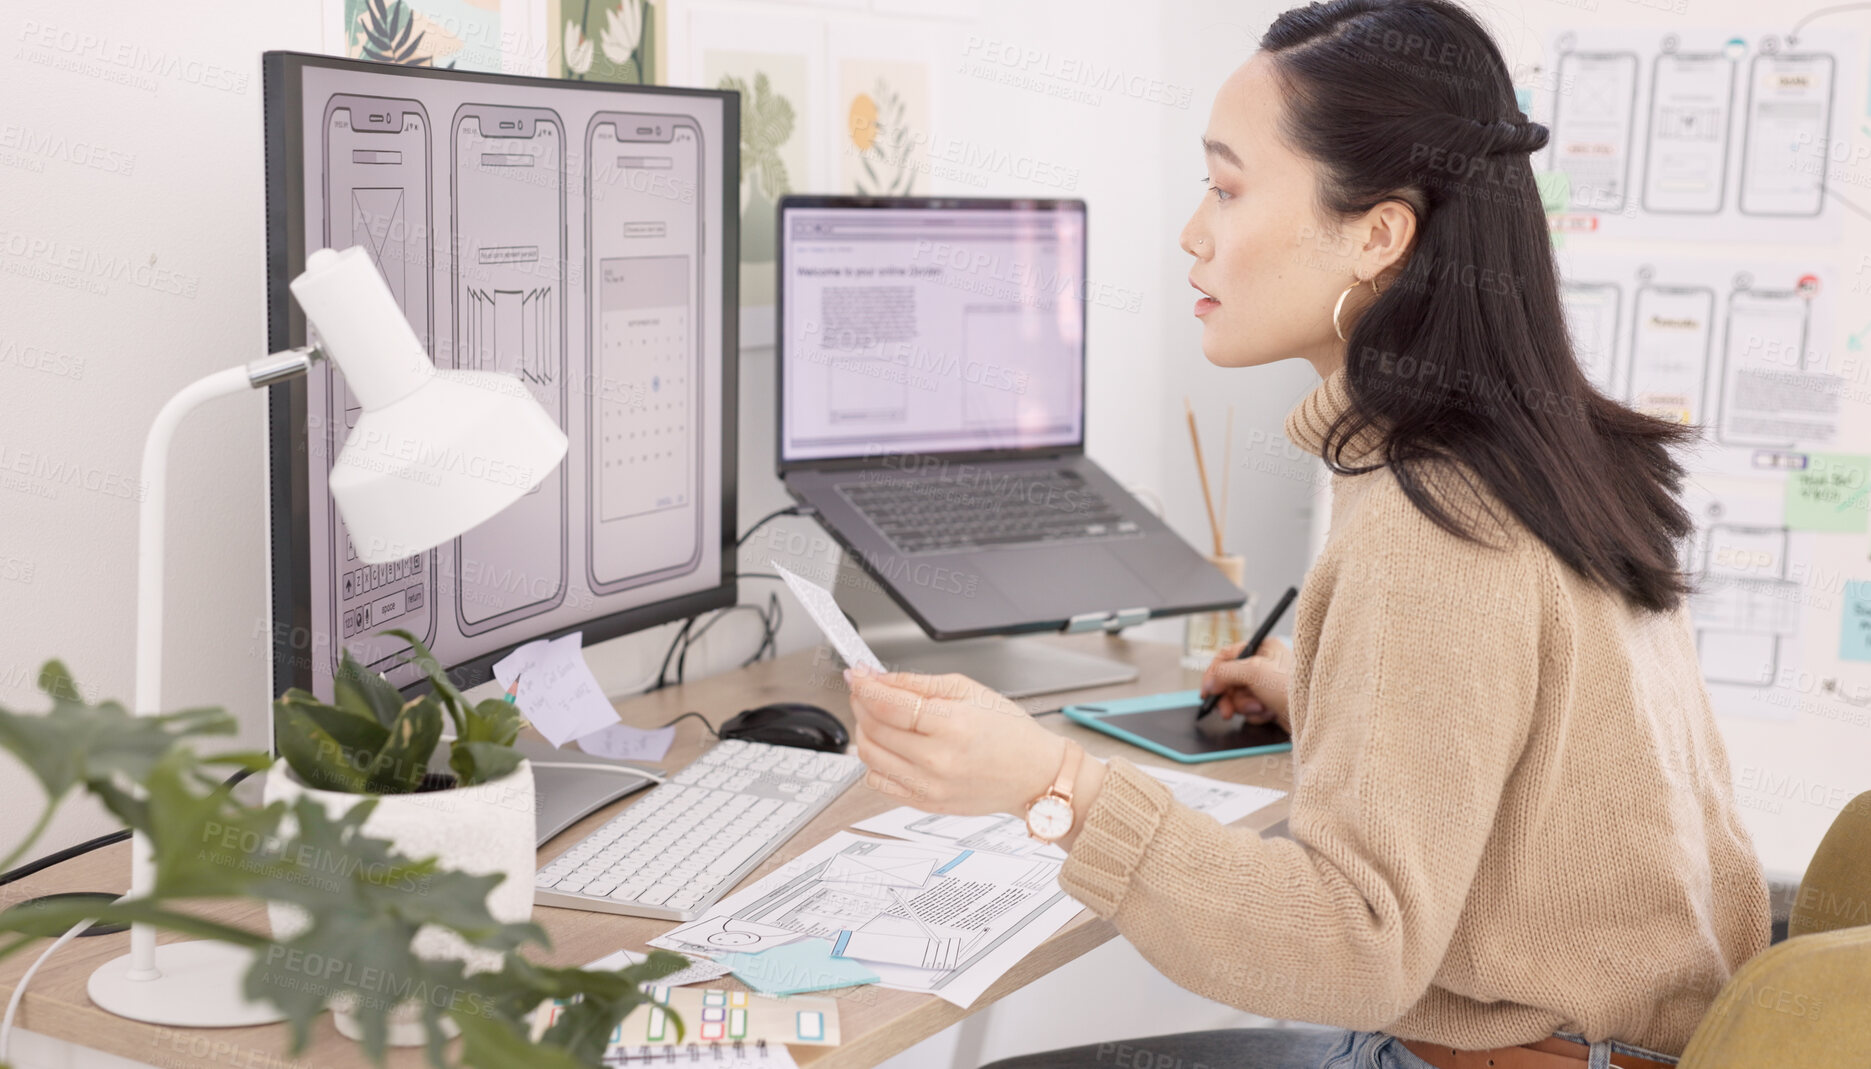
x=720, y=934
x=882, y=866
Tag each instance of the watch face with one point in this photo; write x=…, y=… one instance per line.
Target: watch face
x=1049, y=818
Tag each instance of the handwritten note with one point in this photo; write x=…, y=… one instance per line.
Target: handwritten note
x=1855, y=622
x=557, y=691
x=824, y=610
x=1830, y=494
x=626, y=743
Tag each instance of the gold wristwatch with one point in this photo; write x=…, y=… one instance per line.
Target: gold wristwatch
x=1049, y=816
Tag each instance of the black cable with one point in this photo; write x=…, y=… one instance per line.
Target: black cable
x=710, y=727
x=683, y=638
x=682, y=659
x=770, y=642
x=790, y=510
x=713, y=619
x=80, y=849
x=766, y=629
x=678, y=650
x=663, y=671
x=66, y=854
x=771, y=638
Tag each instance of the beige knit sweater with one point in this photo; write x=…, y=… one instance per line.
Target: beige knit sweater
x=1511, y=811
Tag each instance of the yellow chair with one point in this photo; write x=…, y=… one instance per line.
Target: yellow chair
x=1836, y=892
x=1806, y=1001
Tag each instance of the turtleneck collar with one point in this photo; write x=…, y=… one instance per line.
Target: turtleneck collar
x=1308, y=422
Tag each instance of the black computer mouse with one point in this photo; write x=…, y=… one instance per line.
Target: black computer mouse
x=789, y=724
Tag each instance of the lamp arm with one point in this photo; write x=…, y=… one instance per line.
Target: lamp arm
x=153, y=491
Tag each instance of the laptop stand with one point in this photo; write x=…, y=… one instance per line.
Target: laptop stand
x=1017, y=666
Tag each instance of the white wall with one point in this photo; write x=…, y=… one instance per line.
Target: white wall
x=1271, y=485
x=131, y=248
x=166, y=110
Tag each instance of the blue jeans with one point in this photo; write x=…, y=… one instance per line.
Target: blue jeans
x=1263, y=1048
x=1600, y=1055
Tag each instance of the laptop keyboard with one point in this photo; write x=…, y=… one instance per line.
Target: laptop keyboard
x=928, y=514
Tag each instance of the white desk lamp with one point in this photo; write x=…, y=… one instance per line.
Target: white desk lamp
x=433, y=454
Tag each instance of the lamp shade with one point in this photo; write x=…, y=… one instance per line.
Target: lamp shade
x=434, y=453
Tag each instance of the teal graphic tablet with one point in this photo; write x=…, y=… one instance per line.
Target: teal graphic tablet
x=1165, y=724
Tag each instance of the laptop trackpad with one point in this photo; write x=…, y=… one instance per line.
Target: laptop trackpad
x=1064, y=580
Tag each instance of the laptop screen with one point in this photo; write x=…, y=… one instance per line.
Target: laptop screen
x=918, y=329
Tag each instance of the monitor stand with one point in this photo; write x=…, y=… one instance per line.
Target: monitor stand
x=1017, y=667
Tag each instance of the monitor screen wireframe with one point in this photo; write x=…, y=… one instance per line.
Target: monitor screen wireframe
x=581, y=237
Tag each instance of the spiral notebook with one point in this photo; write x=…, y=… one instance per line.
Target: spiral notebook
x=759, y=1055
x=713, y=1018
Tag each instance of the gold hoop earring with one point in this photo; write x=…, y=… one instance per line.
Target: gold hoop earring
x=1340, y=306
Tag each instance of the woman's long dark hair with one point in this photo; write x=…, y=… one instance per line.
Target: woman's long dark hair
x=1464, y=357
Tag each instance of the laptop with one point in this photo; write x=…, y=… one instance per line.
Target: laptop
x=931, y=358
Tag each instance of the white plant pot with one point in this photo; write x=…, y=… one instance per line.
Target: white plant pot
x=480, y=830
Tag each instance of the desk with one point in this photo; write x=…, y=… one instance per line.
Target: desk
x=876, y=1023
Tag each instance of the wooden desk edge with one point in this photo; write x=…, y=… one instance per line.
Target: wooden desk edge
x=886, y=1022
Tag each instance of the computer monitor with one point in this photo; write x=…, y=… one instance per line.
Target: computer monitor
x=581, y=236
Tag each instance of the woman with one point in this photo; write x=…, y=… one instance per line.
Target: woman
x=1511, y=817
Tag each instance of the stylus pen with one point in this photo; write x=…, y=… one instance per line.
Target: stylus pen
x=1260, y=636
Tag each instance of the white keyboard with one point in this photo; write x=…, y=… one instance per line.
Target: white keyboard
x=674, y=852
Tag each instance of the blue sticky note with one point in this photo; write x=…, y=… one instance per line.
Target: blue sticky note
x=796, y=967
x=1855, y=622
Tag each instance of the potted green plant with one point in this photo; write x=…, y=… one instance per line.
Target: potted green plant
x=477, y=817
x=363, y=901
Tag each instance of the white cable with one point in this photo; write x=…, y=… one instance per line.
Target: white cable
x=595, y=767
x=19, y=993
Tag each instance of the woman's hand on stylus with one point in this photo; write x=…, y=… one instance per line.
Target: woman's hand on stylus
x=1253, y=689
x=968, y=750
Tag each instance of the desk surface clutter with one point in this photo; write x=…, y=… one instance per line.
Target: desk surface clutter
x=825, y=970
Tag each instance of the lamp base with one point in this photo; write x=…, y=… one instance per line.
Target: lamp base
x=199, y=987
